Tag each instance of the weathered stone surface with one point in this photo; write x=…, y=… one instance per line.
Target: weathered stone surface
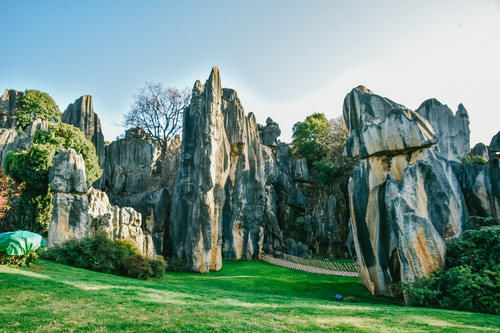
x=480, y=149
x=134, y=176
x=199, y=195
x=244, y=208
x=300, y=170
x=68, y=173
x=494, y=147
x=70, y=218
x=269, y=133
x=451, y=130
x=81, y=115
x=405, y=201
x=379, y=126
x=11, y=140
x=8, y=106
x=118, y=222
x=480, y=185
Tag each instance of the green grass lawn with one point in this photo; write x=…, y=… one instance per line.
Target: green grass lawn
x=244, y=296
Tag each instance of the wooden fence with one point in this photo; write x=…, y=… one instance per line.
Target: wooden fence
x=317, y=266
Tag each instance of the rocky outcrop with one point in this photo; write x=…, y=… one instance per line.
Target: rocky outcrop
x=451, y=130
x=480, y=149
x=12, y=140
x=199, y=195
x=70, y=202
x=134, y=176
x=494, y=147
x=118, y=222
x=81, y=115
x=379, y=126
x=269, y=134
x=405, y=200
x=8, y=106
x=79, y=212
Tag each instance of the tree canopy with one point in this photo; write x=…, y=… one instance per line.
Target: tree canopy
x=36, y=104
x=158, y=111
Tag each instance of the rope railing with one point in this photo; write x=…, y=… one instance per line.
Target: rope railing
x=316, y=266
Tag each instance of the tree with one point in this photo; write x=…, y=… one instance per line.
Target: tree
x=36, y=104
x=158, y=111
x=30, y=169
x=322, y=143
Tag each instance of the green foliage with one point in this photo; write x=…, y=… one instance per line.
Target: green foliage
x=322, y=143
x=99, y=253
x=473, y=159
x=297, y=229
x=24, y=260
x=471, y=278
x=36, y=104
x=31, y=169
x=487, y=221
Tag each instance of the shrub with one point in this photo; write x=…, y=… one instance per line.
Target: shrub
x=98, y=253
x=25, y=260
x=473, y=159
x=471, y=278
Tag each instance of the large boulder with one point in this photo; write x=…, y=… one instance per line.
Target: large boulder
x=452, y=130
x=68, y=173
x=199, y=196
x=494, y=147
x=81, y=115
x=405, y=200
x=379, y=126
x=269, y=134
x=480, y=149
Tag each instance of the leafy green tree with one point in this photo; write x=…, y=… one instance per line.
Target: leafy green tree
x=36, y=104
x=31, y=169
x=322, y=143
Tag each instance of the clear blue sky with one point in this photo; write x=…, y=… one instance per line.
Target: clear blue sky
x=285, y=58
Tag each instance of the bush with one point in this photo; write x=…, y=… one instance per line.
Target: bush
x=98, y=253
x=25, y=260
x=473, y=159
x=471, y=278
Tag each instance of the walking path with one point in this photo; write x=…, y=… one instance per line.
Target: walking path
x=305, y=268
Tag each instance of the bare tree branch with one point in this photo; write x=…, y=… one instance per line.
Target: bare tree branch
x=158, y=111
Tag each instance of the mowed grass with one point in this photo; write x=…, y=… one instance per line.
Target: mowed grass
x=244, y=296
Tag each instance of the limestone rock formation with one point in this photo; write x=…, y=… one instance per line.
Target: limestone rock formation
x=68, y=172
x=8, y=106
x=451, y=130
x=379, y=126
x=199, y=195
x=480, y=149
x=118, y=222
x=11, y=140
x=81, y=115
x=269, y=133
x=405, y=200
x=70, y=203
x=134, y=176
x=494, y=147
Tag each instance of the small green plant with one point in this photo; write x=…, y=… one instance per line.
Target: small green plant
x=473, y=159
x=24, y=260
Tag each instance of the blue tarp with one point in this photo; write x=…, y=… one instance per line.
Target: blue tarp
x=18, y=243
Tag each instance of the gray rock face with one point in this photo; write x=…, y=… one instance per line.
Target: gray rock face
x=494, y=147
x=405, y=201
x=70, y=203
x=379, y=126
x=134, y=176
x=480, y=185
x=118, y=222
x=11, y=140
x=199, y=195
x=8, y=106
x=451, y=130
x=81, y=115
x=68, y=173
x=244, y=208
x=269, y=133
x=480, y=149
